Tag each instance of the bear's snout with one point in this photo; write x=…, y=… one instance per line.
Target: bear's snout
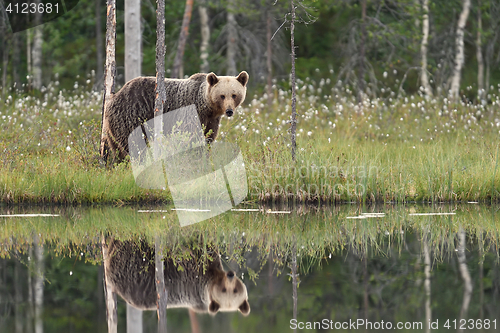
x=229, y=112
x=230, y=274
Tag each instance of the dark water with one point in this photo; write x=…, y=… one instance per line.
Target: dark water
x=314, y=269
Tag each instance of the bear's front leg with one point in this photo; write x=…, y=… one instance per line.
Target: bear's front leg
x=211, y=129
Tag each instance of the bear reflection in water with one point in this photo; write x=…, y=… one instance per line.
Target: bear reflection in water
x=198, y=283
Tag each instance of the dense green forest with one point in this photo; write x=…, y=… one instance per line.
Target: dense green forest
x=368, y=44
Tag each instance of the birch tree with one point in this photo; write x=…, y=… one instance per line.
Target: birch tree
x=479, y=55
x=231, y=39
x=37, y=51
x=464, y=272
x=459, y=49
x=161, y=292
x=111, y=304
x=423, y=49
x=294, y=95
x=132, y=39
x=38, y=287
x=205, y=35
x=160, y=91
x=109, y=75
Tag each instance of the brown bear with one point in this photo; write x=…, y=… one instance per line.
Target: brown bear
x=212, y=95
x=190, y=283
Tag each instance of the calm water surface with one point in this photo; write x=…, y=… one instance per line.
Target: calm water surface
x=315, y=269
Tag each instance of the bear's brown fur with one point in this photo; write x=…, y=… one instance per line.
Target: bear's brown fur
x=130, y=107
x=190, y=283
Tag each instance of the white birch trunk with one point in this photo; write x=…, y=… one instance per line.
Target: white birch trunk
x=37, y=52
x=28, y=57
x=464, y=272
x=205, y=36
x=110, y=70
x=39, y=270
x=427, y=282
x=134, y=319
x=423, y=49
x=161, y=291
x=293, y=128
x=479, y=56
x=231, y=39
x=37, y=57
x=110, y=296
x=132, y=39
x=160, y=91
x=459, y=58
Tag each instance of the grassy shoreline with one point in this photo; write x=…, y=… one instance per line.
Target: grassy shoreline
x=401, y=149
x=350, y=172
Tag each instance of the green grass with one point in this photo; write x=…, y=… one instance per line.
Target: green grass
x=389, y=149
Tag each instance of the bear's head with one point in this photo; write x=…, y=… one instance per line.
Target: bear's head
x=228, y=293
x=226, y=93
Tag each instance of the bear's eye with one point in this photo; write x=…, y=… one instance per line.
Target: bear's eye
x=234, y=96
x=235, y=290
x=222, y=97
x=224, y=290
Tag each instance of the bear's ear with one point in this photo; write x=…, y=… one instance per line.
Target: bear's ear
x=212, y=79
x=213, y=307
x=244, y=308
x=242, y=78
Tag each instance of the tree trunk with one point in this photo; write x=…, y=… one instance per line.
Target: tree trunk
x=161, y=303
x=231, y=39
x=99, y=46
x=132, y=39
x=423, y=50
x=294, y=97
x=134, y=319
x=427, y=283
x=464, y=272
x=195, y=325
x=160, y=91
x=39, y=273
x=269, y=57
x=479, y=55
x=109, y=295
x=295, y=275
x=37, y=52
x=361, y=60
x=459, y=43
x=176, y=71
x=110, y=71
x=28, y=58
x=205, y=36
